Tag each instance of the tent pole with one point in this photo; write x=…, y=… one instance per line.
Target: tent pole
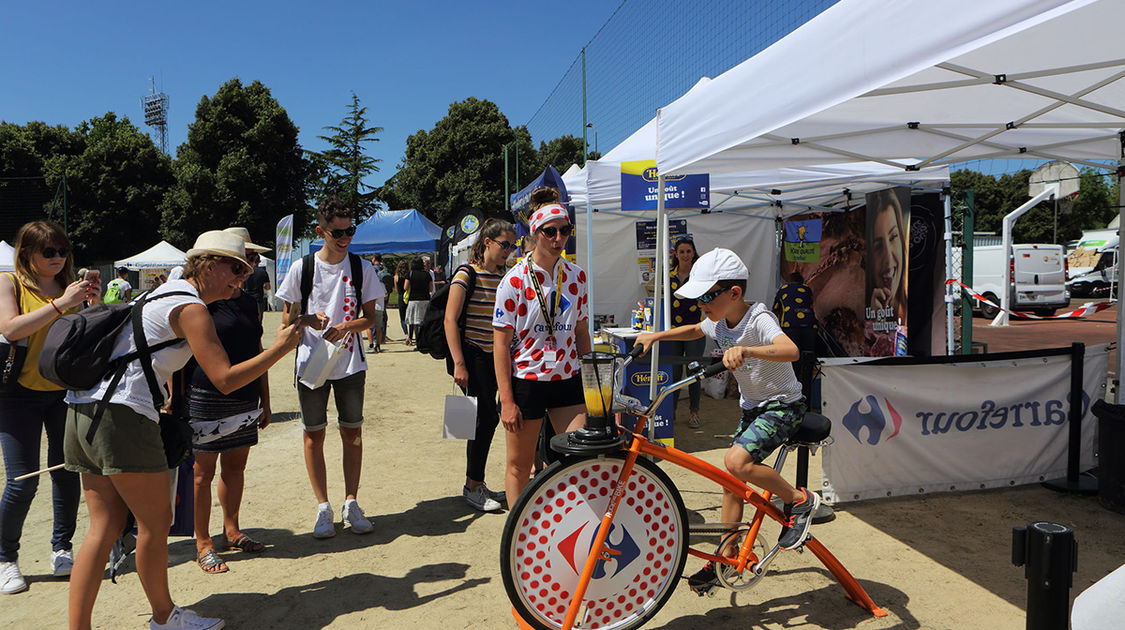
x=948, y=203
x=660, y=280
x=590, y=263
x=1117, y=280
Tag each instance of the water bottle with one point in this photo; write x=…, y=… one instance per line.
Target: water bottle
x=900, y=340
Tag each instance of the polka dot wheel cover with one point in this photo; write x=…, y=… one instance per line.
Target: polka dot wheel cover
x=558, y=528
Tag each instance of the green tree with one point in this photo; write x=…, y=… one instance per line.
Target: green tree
x=459, y=163
x=241, y=165
x=344, y=166
x=561, y=153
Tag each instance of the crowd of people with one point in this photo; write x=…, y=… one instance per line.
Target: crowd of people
x=516, y=330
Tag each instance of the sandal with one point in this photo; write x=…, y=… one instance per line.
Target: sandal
x=693, y=420
x=246, y=544
x=210, y=562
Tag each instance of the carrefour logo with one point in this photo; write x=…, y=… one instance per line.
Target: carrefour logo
x=873, y=419
x=641, y=379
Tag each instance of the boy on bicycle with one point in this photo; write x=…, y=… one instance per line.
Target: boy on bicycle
x=758, y=354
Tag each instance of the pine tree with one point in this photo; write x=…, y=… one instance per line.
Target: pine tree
x=348, y=163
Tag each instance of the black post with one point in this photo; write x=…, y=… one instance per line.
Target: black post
x=1049, y=555
x=804, y=367
x=1075, y=481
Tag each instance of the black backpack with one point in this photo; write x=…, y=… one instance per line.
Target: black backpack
x=431, y=334
x=307, y=271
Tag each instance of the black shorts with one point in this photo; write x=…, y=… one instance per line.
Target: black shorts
x=534, y=398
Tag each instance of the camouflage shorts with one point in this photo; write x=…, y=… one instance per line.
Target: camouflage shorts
x=768, y=426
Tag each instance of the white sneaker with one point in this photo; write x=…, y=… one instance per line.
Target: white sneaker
x=11, y=580
x=325, y=527
x=352, y=515
x=481, y=499
x=62, y=561
x=498, y=496
x=184, y=619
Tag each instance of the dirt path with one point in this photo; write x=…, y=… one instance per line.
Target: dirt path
x=941, y=561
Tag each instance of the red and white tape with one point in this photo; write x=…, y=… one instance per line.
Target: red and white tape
x=1082, y=311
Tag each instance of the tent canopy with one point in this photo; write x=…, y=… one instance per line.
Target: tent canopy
x=7, y=257
x=942, y=82
x=163, y=254
x=392, y=232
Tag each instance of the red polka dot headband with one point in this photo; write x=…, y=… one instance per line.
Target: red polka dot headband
x=547, y=213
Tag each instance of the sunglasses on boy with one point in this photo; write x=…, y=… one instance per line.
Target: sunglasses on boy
x=342, y=232
x=552, y=231
x=708, y=297
x=55, y=252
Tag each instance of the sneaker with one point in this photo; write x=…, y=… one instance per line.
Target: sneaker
x=480, y=498
x=703, y=580
x=352, y=515
x=325, y=527
x=498, y=496
x=11, y=580
x=62, y=561
x=799, y=515
x=184, y=619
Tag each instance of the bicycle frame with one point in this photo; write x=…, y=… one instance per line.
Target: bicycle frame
x=639, y=445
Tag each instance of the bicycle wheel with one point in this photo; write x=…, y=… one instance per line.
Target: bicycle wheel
x=549, y=531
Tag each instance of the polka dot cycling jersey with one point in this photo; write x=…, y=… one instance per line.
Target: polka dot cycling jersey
x=518, y=308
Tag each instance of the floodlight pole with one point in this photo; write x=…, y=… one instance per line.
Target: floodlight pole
x=507, y=189
x=1051, y=189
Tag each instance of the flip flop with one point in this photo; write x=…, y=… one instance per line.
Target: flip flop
x=210, y=562
x=246, y=544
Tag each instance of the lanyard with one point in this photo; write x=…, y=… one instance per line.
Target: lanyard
x=548, y=317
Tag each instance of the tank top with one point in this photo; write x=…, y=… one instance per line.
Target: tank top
x=29, y=300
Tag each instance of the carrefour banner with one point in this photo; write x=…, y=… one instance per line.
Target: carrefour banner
x=639, y=188
x=908, y=429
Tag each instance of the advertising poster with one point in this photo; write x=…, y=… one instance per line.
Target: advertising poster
x=646, y=245
x=926, y=278
x=284, y=246
x=802, y=241
x=885, y=318
x=639, y=188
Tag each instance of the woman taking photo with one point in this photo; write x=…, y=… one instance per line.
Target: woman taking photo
x=684, y=313
x=121, y=456
x=419, y=285
x=226, y=425
x=474, y=369
x=402, y=269
x=31, y=299
x=540, y=331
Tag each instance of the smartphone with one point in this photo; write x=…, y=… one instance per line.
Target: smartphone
x=93, y=276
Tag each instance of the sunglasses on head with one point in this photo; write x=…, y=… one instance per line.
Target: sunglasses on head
x=504, y=245
x=341, y=233
x=55, y=252
x=552, y=231
x=706, y=298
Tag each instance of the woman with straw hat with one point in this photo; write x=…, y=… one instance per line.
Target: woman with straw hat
x=122, y=461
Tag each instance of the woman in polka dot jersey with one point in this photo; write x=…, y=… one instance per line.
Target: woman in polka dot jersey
x=684, y=312
x=541, y=317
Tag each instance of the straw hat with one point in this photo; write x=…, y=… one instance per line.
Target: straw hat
x=220, y=243
x=245, y=234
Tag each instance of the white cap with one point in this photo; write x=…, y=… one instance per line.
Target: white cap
x=717, y=264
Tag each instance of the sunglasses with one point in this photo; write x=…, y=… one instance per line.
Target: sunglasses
x=504, y=245
x=552, y=231
x=341, y=233
x=238, y=269
x=55, y=252
x=707, y=298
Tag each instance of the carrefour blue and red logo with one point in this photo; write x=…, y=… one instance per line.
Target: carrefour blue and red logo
x=873, y=419
x=623, y=550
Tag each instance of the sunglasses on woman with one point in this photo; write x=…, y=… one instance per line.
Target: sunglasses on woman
x=552, y=231
x=342, y=232
x=238, y=269
x=504, y=245
x=55, y=252
x=708, y=297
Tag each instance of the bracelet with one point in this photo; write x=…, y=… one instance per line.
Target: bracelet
x=55, y=306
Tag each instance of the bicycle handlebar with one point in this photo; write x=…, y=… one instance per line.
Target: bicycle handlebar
x=714, y=369
x=637, y=351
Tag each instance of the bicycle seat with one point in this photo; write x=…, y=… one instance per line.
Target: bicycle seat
x=813, y=430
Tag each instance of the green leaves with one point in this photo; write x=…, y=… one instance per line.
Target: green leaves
x=341, y=169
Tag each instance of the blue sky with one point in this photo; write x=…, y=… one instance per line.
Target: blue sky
x=64, y=62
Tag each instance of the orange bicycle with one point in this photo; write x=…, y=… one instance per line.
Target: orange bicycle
x=600, y=538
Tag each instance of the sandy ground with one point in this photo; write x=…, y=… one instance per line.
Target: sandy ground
x=940, y=561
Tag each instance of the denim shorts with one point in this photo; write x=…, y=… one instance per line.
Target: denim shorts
x=348, y=392
x=768, y=426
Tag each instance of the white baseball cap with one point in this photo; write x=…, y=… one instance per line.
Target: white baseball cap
x=717, y=264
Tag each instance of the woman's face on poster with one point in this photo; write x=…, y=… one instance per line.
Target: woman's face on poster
x=886, y=251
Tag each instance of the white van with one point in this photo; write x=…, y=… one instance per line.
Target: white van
x=1093, y=264
x=1037, y=273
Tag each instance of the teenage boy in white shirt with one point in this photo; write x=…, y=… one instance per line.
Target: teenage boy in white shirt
x=341, y=315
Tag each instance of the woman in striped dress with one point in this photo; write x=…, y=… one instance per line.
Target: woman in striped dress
x=470, y=349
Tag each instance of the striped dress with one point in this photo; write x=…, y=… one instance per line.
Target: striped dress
x=478, y=316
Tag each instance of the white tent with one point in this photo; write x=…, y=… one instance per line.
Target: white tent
x=940, y=81
x=7, y=257
x=163, y=254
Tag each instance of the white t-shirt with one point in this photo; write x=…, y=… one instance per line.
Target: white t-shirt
x=517, y=307
x=758, y=380
x=334, y=295
x=133, y=389
x=122, y=285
